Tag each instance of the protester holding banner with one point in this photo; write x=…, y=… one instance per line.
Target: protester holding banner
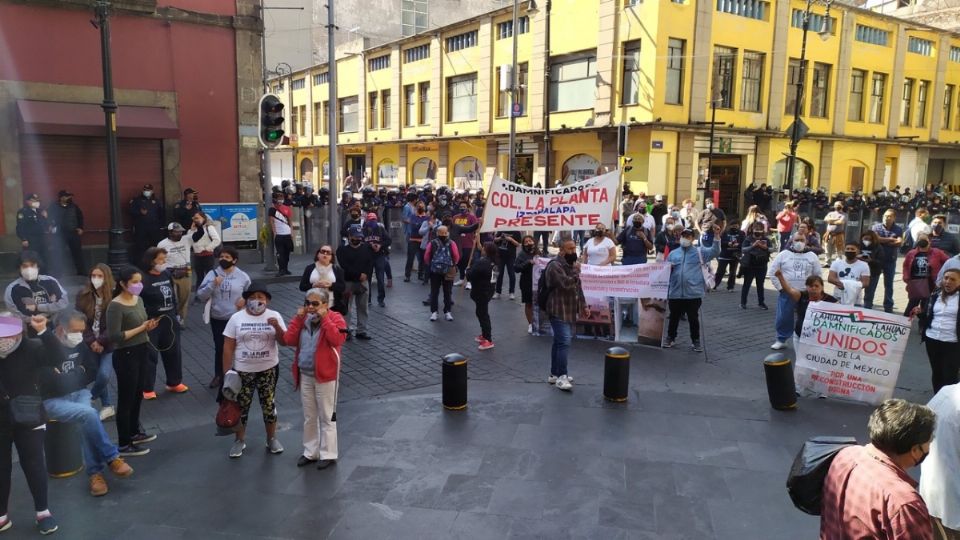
x=687, y=282
x=797, y=264
x=812, y=293
x=753, y=263
x=524, y=266
x=634, y=239
x=921, y=265
x=849, y=275
x=940, y=328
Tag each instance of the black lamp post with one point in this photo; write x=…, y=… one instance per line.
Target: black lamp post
x=116, y=252
x=824, y=32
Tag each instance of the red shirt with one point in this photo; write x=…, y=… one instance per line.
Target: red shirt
x=867, y=496
x=785, y=220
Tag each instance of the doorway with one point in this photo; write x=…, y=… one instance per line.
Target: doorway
x=725, y=176
x=356, y=165
x=524, y=169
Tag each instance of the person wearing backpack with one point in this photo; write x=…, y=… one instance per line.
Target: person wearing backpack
x=867, y=492
x=441, y=259
x=560, y=294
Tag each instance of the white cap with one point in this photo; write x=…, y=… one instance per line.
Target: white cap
x=658, y=198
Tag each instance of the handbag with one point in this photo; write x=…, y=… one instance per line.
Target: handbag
x=709, y=278
x=26, y=410
x=228, y=414
x=918, y=288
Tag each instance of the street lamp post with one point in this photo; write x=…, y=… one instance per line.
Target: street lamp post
x=824, y=32
x=116, y=252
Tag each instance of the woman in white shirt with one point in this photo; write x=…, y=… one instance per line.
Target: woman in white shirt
x=600, y=249
x=939, y=330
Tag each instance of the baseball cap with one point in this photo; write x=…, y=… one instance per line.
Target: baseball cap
x=10, y=326
x=658, y=198
x=31, y=197
x=174, y=226
x=687, y=232
x=355, y=232
x=64, y=193
x=148, y=186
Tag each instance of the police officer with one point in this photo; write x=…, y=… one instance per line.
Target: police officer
x=147, y=215
x=32, y=226
x=66, y=226
x=187, y=207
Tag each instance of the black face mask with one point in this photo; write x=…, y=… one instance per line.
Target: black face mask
x=354, y=241
x=758, y=235
x=225, y=263
x=354, y=216
x=444, y=239
x=528, y=248
x=637, y=224
x=850, y=255
x=570, y=258
x=463, y=210
x=597, y=233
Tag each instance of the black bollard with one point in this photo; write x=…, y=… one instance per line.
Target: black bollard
x=780, y=386
x=616, y=374
x=454, y=381
x=61, y=446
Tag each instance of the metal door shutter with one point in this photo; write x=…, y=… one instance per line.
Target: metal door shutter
x=50, y=163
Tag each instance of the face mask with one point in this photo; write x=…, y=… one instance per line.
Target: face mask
x=938, y=229
x=354, y=241
x=73, y=339
x=919, y=461
x=798, y=246
x=9, y=344
x=528, y=248
x=597, y=233
x=444, y=238
x=923, y=244
x=570, y=258
x=34, y=205
x=686, y=242
x=225, y=264
x=161, y=267
x=643, y=211
x=135, y=288
x=758, y=235
x=30, y=273
x=463, y=210
x=97, y=282
x=850, y=255
x=865, y=242
x=355, y=216
x=147, y=193
x=256, y=307
x=709, y=207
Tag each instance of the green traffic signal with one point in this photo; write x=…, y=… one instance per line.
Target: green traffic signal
x=271, y=120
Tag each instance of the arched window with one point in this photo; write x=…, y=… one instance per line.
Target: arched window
x=326, y=170
x=306, y=170
x=468, y=174
x=580, y=167
x=424, y=170
x=802, y=174
x=387, y=173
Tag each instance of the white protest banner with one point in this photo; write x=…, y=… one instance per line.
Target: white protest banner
x=581, y=205
x=851, y=353
x=649, y=280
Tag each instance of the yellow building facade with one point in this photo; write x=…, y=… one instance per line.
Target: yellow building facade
x=881, y=99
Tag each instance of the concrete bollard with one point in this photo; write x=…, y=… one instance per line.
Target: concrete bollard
x=61, y=446
x=616, y=374
x=780, y=386
x=454, y=382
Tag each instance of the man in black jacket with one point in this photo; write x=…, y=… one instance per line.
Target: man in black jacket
x=356, y=260
x=187, y=207
x=63, y=386
x=66, y=225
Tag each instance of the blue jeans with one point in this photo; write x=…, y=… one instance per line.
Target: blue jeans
x=786, y=313
x=101, y=387
x=562, y=336
x=380, y=265
x=889, y=270
x=74, y=408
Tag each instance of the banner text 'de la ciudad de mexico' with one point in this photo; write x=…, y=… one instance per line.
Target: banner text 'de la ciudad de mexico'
x=581, y=205
x=850, y=352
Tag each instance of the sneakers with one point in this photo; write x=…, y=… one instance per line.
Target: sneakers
x=47, y=525
x=363, y=336
x=496, y=296
x=303, y=461
x=143, y=438
x=479, y=339
x=763, y=307
x=6, y=524
x=236, y=450
x=324, y=463
x=120, y=468
x=743, y=306
x=530, y=329
x=458, y=283
x=149, y=395
x=513, y=296
x=178, y=389
x=98, y=486
x=563, y=383
x=778, y=345
x=469, y=286
x=553, y=379
x=434, y=316
x=670, y=343
x=697, y=347
x=133, y=451
x=274, y=446
x=485, y=345
x=448, y=316
x=107, y=413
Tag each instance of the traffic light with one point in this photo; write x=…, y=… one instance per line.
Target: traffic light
x=271, y=121
x=626, y=164
x=622, y=131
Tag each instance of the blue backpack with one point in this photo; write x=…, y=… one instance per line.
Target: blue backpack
x=441, y=258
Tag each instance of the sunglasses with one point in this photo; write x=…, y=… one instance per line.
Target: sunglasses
x=311, y=303
x=326, y=252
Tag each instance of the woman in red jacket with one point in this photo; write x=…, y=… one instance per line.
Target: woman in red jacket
x=920, y=268
x=317, y=332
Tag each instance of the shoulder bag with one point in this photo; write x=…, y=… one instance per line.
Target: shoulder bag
x=26, y=410
x=709, y=278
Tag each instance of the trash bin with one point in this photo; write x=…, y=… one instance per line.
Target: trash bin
x=781, y=389
x=454, y=381
x=62, y=449
x=616, y=374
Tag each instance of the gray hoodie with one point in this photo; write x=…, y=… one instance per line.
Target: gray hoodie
x=225, y=297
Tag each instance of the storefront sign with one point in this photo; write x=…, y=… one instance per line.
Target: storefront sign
x=423, y=148
x=657, y=145
x=851, y=353
x=581, y=205
x=237, y=222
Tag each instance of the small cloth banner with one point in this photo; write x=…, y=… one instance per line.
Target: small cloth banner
x=851, y=353
x=581, y=205
x=650, y=280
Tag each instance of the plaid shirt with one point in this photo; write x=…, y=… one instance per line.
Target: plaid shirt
x=566, y=299
x=866, y=495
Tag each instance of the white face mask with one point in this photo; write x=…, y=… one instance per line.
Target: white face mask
x=73, y=339
x=34, y=205
x=798, y=246
x=160, y=267
x=256, y=307
x=9, y=344
x=97, y=282
x=147, y=193
x=866, y=243
x=686, y=242
x=30, y=273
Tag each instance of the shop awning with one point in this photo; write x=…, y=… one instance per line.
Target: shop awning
x=86, y=119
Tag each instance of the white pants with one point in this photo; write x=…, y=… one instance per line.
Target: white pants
x=319, y=432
